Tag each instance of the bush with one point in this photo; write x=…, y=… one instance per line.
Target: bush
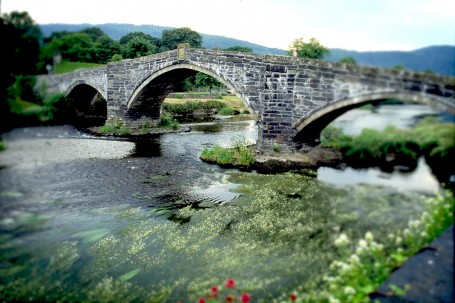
x=166, y=121
x=240, y=154
x=226, y=111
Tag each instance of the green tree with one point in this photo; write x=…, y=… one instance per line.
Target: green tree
x=312, y=49
x=106, y=48
x=116, y=57
x=94, y=32
x=239, y=49
x=24, y=24
x=348, y=60
x=20, y=56
x=138, y=47
x=76, y=47
x=171, y=38
x=125, y=39
x=204, y=80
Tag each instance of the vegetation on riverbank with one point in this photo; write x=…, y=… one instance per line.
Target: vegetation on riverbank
x=430, y=138
x=226, y=105
x=240, y=154
x=115, y=125
x=2, y=145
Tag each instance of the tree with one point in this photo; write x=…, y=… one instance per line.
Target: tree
x=398, y=67
x=348, y=60
x=76, y=47
x=171, y=38
x=106, y=47
x=20, y=56
x=24, y=24
x=125, y=39
x=94, y=32
x=240, y=49
x=204, y=80
x=312, y=49
x=138, y=47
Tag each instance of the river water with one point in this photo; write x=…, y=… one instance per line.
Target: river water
x=90, y=219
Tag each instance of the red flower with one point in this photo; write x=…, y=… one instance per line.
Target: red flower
x=230, y=298
x=201, y=300
x=230, y=283
x=246, y=298
x=293, y=297
x=213, y=292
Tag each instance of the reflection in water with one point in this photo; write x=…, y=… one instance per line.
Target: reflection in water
x=147, y=148
x=420, y=179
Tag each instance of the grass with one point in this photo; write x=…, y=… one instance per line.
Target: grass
x=228, y=101
x=240, y=154
x=66, y=66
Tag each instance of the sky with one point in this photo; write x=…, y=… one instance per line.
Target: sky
x=362, y=25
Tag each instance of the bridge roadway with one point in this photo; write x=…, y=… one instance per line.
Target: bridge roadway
x=294, y=99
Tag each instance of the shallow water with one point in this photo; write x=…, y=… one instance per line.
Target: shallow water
x=92, y=219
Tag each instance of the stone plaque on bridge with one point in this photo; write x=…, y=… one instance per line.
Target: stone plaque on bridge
x=181, y=51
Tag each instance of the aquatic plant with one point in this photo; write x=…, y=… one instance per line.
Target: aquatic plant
x=291, y=222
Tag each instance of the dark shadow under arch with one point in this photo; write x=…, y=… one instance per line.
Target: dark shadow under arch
x=87, y=106
x=308, y=129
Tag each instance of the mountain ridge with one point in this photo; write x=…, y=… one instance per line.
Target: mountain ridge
x=438, y=58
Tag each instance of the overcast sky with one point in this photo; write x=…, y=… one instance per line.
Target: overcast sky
x=349, y=24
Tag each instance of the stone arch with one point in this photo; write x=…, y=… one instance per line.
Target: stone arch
x=308, y=128
x=87, y=102
x=187, y=70
x=76, y=83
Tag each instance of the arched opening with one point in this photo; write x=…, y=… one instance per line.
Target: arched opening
x=87, y=107
x=309, y=128
x=147, y=99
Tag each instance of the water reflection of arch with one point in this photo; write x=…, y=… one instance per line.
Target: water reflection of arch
x=148, y=96
x=149, y=147
x=308, y=128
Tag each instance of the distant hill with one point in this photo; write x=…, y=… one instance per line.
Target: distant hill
x=439, y=59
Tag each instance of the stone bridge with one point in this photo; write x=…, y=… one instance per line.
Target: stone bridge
x=292, y=98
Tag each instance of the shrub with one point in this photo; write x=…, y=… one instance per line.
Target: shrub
x=240, y=154
x=166, y=121
x=226, y=111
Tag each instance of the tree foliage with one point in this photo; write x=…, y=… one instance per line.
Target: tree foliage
x=312, y=49
x=240, y=49
x=171, y=38
x=348, y=60
x=138, y=47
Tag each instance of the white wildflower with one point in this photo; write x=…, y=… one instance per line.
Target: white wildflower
x=369, y=236
x=342, y=240
x=354, y=258
x=333, y=300
x=348, y=290
x=414, y=223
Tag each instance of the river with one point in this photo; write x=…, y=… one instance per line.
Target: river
x=89, y=219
